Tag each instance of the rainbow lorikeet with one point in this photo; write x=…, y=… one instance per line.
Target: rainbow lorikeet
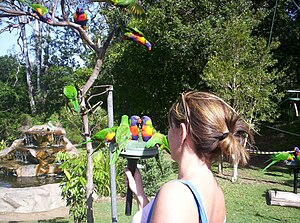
x=136, y=36
x=40, y=10
x=147, y=128
x=159, y=139
x=278, y=157
x=135, y=120
x=133, y=6
x=80, y=16
x=71, y=93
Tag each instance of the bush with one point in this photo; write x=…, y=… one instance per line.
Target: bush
x=153, y=178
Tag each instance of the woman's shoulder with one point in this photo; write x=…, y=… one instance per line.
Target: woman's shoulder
x=174, y=203
x=175, y=191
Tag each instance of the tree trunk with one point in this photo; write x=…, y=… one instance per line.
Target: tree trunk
x=28, y=67
x=38, y=40
x=46, y=51
x=89, y=172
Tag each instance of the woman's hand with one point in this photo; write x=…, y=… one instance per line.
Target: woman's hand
x=136, y=186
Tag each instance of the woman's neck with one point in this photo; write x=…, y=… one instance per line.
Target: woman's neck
x=191, y=166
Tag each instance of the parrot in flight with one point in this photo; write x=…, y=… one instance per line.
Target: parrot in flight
x=133, y=6
x=159, y=139
x=147, y=128
x=122, y=136
x=136, y=36
x=41, y=10
x=135, y=120
x=71, y=93
x=278, y=157
x=80, y=17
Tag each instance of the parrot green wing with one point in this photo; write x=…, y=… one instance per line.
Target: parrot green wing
x=122, y=137
x=159, y=139
x=36, y=7
x=39, y=8
x=71, y=93
x=278, y=157
x=101, y=135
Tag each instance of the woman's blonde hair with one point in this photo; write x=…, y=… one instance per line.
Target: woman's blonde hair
x=212, y=124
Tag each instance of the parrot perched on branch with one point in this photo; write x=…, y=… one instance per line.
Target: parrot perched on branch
x=71, y=93
x=147, y=128
x=135, y=121
x=136, y=36
x=122, y=136
x=41, y=10
x=133, y=6
x=104, y=135
x=80, y=17
x=278, y=157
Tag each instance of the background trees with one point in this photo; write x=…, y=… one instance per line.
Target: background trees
x=236, y=49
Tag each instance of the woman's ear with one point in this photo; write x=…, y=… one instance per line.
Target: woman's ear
x=183, y=132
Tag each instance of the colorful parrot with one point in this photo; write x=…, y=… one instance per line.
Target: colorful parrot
x=105, y=135
x=136, y=36
x=159, y=139
x=133, y=6
x=41, y=10
x=80, y=17
x=278, y=157
x=122, y=136
x=135, y=120
x=147, y=128
x=71, y=93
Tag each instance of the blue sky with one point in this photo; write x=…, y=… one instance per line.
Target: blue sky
x=8, y=41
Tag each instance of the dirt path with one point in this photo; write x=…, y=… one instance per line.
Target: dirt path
x=34, y=217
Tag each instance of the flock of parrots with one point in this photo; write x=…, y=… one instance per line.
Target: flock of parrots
x=135, y=128
x=130, y=130
x=81, y=18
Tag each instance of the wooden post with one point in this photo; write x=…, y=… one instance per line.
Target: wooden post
x=282, y=198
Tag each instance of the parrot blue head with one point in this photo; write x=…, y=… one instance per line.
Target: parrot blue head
x=296, y=150
x=79, y=10
x=146, y=119
x=135, y=120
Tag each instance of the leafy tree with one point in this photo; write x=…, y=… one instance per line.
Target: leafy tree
x=240, y=68
x=13, y=97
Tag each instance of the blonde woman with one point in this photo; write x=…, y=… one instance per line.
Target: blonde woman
x=201, y=127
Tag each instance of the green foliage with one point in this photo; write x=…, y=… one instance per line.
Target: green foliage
x=74, y=181
x=241, y=69
x=2, y=145
x=152, y=176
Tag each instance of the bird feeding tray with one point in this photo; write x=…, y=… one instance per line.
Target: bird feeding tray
x=137, y=150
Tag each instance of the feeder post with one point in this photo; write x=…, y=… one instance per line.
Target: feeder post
x=113, y=190
x=131, y=164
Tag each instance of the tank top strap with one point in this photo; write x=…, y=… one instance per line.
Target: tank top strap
x=197, y=198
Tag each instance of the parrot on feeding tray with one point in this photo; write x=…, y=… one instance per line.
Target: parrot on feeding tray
x=297, y=155
x=147, y=128
x=278, y=157
x=80, y=16
x=136, y=35
x=122, y=136
x=133, y=6
x=41, y=10
x=135, y=121
x=71, y=93
x=159, y=139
